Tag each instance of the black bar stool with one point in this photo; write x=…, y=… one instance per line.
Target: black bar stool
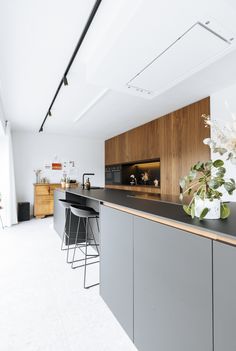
x=67, y=234
x=86, y=214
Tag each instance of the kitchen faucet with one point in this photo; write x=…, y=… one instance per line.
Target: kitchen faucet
x=84, y=174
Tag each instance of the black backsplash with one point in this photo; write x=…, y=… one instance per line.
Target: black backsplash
x=138, y=169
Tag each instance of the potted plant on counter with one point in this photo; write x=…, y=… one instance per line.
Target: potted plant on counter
x=204, y=183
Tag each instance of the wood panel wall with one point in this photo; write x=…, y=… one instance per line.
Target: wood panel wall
x=175, y=138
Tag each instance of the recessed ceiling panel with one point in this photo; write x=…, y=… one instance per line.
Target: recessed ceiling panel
x=188, y=54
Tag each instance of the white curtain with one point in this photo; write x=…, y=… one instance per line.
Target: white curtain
x=7, y=179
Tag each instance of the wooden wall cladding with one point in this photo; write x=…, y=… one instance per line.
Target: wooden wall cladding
x=175, y=138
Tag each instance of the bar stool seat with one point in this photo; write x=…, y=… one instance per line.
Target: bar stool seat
x=83, y=211
x=66, y=234
x=67, y=203
x=86, y=214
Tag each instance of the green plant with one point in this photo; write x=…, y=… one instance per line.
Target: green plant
x=205, y=180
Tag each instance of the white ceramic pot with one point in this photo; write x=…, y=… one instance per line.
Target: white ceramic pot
x=213, y=206
x=63, y=184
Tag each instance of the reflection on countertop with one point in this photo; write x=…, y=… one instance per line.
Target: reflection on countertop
x=77, y=188
x=173, y=199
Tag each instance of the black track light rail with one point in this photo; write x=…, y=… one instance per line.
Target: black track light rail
x=64, y=77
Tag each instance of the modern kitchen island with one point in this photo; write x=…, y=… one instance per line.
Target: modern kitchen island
x=167, y=278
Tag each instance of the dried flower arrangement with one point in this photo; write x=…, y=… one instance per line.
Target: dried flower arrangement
x=225, y=142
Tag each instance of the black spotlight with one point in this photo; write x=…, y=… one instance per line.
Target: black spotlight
x=65, y=81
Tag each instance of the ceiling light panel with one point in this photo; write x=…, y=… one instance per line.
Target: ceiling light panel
x=187, y=55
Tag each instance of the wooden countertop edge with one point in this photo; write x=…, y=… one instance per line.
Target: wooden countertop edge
x=133, y=186
x=175, y=224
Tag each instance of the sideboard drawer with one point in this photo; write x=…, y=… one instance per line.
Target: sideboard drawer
x=43, y=199
x=42, y=189
x=43, y=206
x=52, y=188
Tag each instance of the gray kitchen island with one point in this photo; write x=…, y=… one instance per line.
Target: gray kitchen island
x=167, y=278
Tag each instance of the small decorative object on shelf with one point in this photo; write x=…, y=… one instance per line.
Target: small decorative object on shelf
x=133, y=180
x=225, y=142
x=156, y=182
x=44, y=180
x=67, y=182
x=63, y=182
x=145, y=177
x=37, y=173
x=204, y=182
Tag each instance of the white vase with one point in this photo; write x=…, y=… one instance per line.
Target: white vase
x=213, y=206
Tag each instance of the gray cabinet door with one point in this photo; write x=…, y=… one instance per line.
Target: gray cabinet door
x=59, y=212
x=116, y=266
x=172, y=289
x=224, y=266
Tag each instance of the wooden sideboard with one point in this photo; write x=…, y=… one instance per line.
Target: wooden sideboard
x=176, y=139
x=43, y=199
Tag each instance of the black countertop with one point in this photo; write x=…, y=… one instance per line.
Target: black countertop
x=164, y=206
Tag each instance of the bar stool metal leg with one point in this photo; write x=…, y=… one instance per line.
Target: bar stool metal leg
x=93, y=237
x=76, y=239
x=86, y=251
x=87, y=214
x=80, y=246
x=65, y=245
x=88, y=256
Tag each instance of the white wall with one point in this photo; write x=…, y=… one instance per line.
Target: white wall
x=2, y=119
x=33, y=150
x=7, y=178
x=223, y=107
x=3, y=180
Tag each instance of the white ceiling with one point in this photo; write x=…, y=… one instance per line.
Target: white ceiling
x=37, y=39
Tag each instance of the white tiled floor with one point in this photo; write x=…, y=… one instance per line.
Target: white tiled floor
x=43, y=306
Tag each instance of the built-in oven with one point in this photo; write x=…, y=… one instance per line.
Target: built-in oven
x=113, y=174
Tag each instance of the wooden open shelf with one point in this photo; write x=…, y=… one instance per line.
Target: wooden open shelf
x=175, y=139
x=140, y=188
